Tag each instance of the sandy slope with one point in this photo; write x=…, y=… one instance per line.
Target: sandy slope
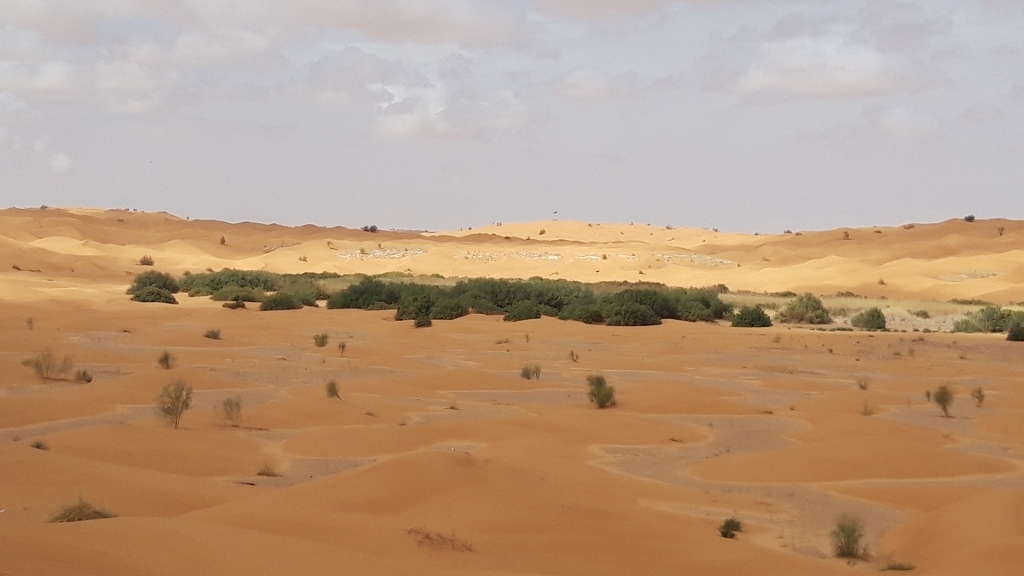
x=435, y=430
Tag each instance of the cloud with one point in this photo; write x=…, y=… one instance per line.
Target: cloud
x=594, y=9
x=353, y=76
x=982, y=114
x=908, y=126
x=590, y=84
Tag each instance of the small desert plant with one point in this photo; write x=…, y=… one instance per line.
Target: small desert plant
x=212, y=334
x=166, y=361
x=332, y=389
x=928, y=395
x=321, y=340
x=751, y=317
x=39, y=445
x=268, y=470
x=234, y=305
x=846, y=235
x=1001, y=229
x=943, y=396
x=223, y=241
x=922, y=313
x=530, y=372
x=173, y=401
x=1015, y=333
x=83, y=376
x=969, y=218
x=898, y=566
x=230, y=410
x=438, y=539
x=600, y=392
x=871, y=319
x=806, y=309
x=341, y=347
x=154, y=294
x=422, y=321
x=146, y=260
x=574, y=356
x=47, y=366
x=280, y=301
x=730, y=527
x=863, y=383
x=30, y=323
x=979, y=395
x=80, y=511
x=847, y=536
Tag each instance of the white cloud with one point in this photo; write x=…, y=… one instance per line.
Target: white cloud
x=590, y=84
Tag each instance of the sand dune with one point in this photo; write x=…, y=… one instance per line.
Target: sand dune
x=438, y=458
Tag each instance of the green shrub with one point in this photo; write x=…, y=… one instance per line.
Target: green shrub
x=1015, y=333
x=234, y=305
x=39, y=445
x=154, y=294
x=922, y=313
x=730, y=527
x=212, y=334
x=751, y=317
x=530, y=372
x=146, y=260
x=448, y=309
x=154, y=279
x=969, y=218
x=847, y=536
x=422, y=321
x=806, y=309
x=364, y=294
x=209, y=283
x=943, y=397
x=47, y=367
x=979, y=395
x=522, y=310
x=230, y=410
x=166, y=361
x=871, y=319
x=79, y=512
x=280, y=301
x=989, y=319
x=586, y=312
x=600, y=393
x=321, y=340
x=234, y=293
x=633, y=314
x=173, y=401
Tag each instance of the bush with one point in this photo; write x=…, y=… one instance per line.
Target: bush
x=871, y=319
x=146, y=260
x=364, y=295
x=321, y=340
x=209, y=283
x=422, y=321
x=448, y=309
x=806, y=309
x=633, y=314
x=152, y=278
x=943, y=397
x=280, y=301
x=166, y=361
x=600, y=392
x=751, y=317
x=173, y=401
x=212, y=334
x=268, y=470
x=1015, y=333
x=235, y=293
x=83, y=376
x=332, y=389
x=979, y=395
x=234, y=305
x=922, y=313
x=847, y=536
x=969, y=218
x=79, y=512
x=586, y=312
x=522, y=310
x=154, y=294
x=47, y=367
x=230, y=410
x=730, y=527
x=39, y=445
x=530, y=372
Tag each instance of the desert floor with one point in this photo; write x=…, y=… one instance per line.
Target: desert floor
x=438, y=458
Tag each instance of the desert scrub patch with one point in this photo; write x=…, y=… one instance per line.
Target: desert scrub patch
x=434, y=539
x=166, y=361
x=320, y=340
x=80, y=511
x=751, y=317
x=730, y=527
x=331, y=388
x=230, y=410
x=174, y=400
x=280, y=301
x=847, y=537
x=530, y=372
x=47, y=366
x=872, y=319
x=212, y=334
x=601, y=393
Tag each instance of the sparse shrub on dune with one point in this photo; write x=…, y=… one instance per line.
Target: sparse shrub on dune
x=320, y=340
x=871, y=319
x=633, y=314
x=751, y=317
x=154, y=279
x=230, y=410
x=39, y=445
x=174, y=400
x=79, y=512
x=166, y=361
x=422, y=321
x=268, y=471
x=979, y=395
x=154, y=294
x=730, y=527
x=146, y=260
x=601, y=394
x=1015, y=333
x=234, y=305
x=47, y=366
x=943, y=397
x=847, y=537
x=83, y=376
x=586, y=312
x=212, y=334
x=805, y=309
x=522, y=310
x=898, y=566
x=332, y=389
x=209, y=283
x=234, y=293
x=530, y=372
x=969, y=218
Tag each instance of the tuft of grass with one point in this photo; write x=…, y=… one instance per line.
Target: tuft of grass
x=79, y=512
x=146, y=260
x=427, y=537
x=30, y=323
x=268, y=470
x=321, y=340
x=530, y=372
x=600, y=393
x=847, y=537
x=901, y=566
x=83, y=376
x=341, y=347
x=39, y=445
x=47, y=367
x=574, y=356
x=166, y=361
x=503, y=341
x=979, y=395
x=212, y=334
x=863, y=383
x=943, y=396
x=332, y=389
x=730, y=527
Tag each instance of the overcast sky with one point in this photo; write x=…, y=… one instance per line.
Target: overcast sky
x=746, y=115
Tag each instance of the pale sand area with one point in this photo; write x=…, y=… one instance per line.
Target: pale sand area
x=436, y=430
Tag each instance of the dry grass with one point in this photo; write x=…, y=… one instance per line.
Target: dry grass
x=79, y=512
x=427, y=537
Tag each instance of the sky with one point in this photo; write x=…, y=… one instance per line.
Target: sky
x=743, y=115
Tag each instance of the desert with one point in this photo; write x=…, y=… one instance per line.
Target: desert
x=435, y=454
